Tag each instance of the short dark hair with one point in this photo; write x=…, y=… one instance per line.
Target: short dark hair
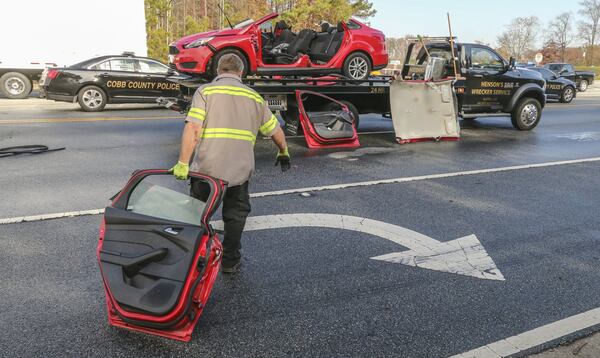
x=230, y=63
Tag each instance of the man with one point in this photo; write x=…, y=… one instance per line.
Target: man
x=220, y=129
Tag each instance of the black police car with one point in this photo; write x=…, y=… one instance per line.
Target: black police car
x=108, y=79
x=557, y=88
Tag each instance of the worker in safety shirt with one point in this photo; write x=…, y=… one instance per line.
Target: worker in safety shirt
x=221, y=129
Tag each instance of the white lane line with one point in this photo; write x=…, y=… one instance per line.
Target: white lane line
x=423, y=177
x=332, y=187
x=536, y=337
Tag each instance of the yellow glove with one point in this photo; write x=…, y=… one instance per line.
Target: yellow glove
x=283, y=159
x=180, y=170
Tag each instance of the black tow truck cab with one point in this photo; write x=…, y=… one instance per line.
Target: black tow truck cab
x=567, y=70
x=486, y=84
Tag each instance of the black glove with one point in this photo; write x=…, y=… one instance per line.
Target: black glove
x=283, y=158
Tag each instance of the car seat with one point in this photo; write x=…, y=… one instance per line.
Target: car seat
x=299, y=45
x=325, y=46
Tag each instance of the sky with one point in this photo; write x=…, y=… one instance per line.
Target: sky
x=69, y=31
x=471, y=19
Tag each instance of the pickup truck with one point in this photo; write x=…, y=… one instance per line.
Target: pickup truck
x=566, y=70
x=486, y=84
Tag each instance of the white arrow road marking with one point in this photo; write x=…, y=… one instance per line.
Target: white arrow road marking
x=464, y=256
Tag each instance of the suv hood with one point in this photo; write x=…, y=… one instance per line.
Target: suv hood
x=190, y=38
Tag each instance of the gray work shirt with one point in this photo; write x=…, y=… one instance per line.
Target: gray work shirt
x=231, y=115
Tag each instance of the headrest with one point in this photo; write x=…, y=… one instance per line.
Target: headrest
x=325, y=27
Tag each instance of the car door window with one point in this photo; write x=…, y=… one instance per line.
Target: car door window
x=103, y=66
x=165, y=198
x=569, y=68
x=486, y=60
x=147, y=66
x=122, y=64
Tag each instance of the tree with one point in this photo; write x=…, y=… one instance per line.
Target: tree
x=309, y=13
x=560, y=33
x=588, y=28
x=519, y=37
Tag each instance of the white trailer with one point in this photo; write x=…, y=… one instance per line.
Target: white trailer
x=63, y=32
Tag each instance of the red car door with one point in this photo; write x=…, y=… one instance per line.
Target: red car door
x=325, y=121
x=158, y=255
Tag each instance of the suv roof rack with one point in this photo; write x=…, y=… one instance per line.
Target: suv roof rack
x=128, y=53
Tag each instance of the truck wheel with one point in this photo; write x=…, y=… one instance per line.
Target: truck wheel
x=92, y=99
x=567, y=95
x=15, y=85
x=352, y=108
x=526, y=114
x=229, y=51
x=357, y=66
x=583, y=85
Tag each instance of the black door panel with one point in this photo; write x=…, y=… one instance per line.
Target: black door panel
x=154, y=284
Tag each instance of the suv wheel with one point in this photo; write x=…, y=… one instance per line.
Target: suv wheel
x=567, y=94
x=230, y=51
x=526, y=115
x=583, y=85
x=357, y=66
x=15, y=85
x=92, y=99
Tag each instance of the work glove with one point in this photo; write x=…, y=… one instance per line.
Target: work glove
x=180, y=170
x=283, y=158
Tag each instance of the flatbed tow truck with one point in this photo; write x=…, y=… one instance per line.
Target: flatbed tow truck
x=485, y=84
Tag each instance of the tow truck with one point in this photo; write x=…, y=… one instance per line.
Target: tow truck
x=485, y=84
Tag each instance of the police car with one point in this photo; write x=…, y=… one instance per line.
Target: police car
x=108, y=79
x=557, y=88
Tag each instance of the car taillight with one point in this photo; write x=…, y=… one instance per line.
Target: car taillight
x=52, y=74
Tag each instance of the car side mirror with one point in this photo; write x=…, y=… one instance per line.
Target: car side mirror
x=512, y=63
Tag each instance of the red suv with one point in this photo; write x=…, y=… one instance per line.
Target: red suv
x=270, y=47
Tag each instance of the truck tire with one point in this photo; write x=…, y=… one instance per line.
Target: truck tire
x=92, y=99
x=527, y=114
x=567, y=94
x=229, y=51
x=352, y=108
x=357, y=66
x=583, y=85
x=15, y=85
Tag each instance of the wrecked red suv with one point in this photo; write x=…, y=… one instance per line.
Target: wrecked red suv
x=270, y=47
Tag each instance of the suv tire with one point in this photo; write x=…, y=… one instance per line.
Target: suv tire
x=583, y=85
x=527, y=114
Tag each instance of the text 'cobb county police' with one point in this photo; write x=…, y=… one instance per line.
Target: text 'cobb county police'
x=142, y=85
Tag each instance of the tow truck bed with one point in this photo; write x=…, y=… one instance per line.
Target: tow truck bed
x=371, y=96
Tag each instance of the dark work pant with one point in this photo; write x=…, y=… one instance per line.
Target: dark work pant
x=236, y=207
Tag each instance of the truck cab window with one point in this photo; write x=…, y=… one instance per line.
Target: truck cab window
x=484, y=59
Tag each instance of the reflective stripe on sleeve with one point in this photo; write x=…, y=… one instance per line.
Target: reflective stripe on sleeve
x=197, y=113
x=269, y=126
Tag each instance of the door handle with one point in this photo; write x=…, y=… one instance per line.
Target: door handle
x=478, y=76
x=103, y=75
x=172, y=230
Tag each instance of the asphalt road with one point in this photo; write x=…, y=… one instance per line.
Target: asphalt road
x=311, y=291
